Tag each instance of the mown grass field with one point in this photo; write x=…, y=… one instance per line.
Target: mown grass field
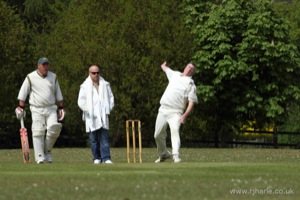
x=203, y=174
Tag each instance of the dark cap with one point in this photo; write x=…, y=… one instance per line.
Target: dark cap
x=43, y=60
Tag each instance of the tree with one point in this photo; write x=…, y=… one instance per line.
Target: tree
x=248, y=68
x=17, y=5
x=290, y=12
x=129, y=40
x=12, y=56
x=12, y=47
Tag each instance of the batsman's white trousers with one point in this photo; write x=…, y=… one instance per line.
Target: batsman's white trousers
x=164, y=118
x=42, y=119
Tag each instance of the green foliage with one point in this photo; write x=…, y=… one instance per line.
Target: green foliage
x=12, y=49
x=290, y=11
x=292, y=121
x=129, y=41
x=248, y=68
x=289, y=139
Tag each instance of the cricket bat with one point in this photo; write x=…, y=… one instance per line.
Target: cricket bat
x=24, y=142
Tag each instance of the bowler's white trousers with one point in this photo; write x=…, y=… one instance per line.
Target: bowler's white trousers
x=164, y=118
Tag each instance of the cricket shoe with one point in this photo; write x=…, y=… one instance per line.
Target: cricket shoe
x=97, y=161
x=40, y=162
x=163, y=157
x=108, y=162
x=49, y=158
x=176, y=158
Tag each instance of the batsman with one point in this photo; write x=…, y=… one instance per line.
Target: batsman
x=46, y=107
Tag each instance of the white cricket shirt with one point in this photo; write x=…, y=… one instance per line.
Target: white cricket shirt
x=179, y=91
x=42, y=91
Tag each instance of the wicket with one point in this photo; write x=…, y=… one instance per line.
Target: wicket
x=131, y=124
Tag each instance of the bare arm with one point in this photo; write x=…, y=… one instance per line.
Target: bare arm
x=164, y=66
x=21, y=103
x=187, y=112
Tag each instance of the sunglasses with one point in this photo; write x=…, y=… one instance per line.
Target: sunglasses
x=94, y=73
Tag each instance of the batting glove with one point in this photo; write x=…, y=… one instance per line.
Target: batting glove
x=61, y=113
x=20, y=112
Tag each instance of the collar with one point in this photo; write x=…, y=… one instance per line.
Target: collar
x=41, y=74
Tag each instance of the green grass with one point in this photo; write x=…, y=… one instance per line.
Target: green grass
x=203, y=174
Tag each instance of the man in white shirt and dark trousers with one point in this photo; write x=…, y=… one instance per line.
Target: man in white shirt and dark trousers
x=45, y=99
x=96, y=100
x=180, y=92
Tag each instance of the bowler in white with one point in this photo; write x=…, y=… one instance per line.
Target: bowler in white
x=176, y=104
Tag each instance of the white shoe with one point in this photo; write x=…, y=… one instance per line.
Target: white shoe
x=108, y=162
x=40, y=162
x=163, y=157
x=49, y=158
x=176, y=158
x=97, y=161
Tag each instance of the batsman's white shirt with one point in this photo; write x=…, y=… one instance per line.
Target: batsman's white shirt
x=179, y=91
x=42, y=91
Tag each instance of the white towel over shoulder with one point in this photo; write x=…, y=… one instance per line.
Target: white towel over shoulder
x=96, y=106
